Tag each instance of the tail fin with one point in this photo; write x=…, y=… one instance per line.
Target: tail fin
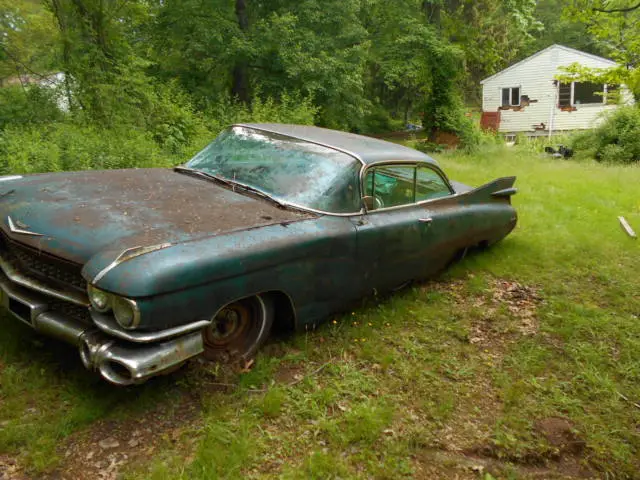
x=501, y=188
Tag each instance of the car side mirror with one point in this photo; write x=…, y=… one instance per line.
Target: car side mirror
x=368, y=203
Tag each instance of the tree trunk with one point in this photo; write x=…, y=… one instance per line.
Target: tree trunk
x=433, y=11
x=240, y=87
x=66, y=51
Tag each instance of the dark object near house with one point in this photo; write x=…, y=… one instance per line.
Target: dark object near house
x=560, y=152
x=143, y=269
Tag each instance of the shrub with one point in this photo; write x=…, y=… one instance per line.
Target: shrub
x=68, y=146
x=171, y=137
x=29, y=105
x=616, y=140
x=288, y=109
x=379, y=120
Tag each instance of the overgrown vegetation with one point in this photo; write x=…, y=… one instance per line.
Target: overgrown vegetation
x=521, y=362
x=616, y=140
x=168, y=75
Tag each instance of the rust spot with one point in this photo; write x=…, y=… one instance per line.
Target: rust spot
x=150, y=206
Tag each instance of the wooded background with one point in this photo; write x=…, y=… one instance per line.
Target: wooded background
x=173, y=72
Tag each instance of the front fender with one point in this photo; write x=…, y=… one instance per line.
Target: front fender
x=189, y=282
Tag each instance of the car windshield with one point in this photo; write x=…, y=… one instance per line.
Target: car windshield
x=288, y=169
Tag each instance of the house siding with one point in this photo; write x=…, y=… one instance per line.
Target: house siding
x=535, y=77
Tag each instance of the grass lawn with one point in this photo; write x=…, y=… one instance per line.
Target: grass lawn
x=520, y=362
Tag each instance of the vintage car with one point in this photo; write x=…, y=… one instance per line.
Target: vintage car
x=143, y=269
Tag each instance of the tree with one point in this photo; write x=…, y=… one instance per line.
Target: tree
x=27, y=38
x=614, y=26
x=491, y=33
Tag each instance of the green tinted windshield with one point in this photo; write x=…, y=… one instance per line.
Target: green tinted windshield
x=285, y=168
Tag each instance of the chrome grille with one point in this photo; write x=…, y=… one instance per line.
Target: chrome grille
x=48, y=268
x=70, y=310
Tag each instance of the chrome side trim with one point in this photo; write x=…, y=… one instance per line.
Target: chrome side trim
x=507, y=192
x=108, y=325
x=21, y=231
x=128, y=254
x=17, y=277
x=10, y=177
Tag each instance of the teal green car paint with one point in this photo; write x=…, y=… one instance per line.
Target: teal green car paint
x=269, y=223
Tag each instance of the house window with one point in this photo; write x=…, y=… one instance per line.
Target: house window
x=511, y=97
x=584, y=93
x=587, y=93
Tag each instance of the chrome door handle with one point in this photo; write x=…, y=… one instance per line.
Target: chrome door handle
x=426, y=220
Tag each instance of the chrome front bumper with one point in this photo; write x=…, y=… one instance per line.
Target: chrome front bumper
x=120, y=362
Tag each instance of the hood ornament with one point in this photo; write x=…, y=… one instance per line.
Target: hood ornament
x=20, y=228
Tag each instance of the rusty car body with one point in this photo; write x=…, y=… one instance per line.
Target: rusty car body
x=143, y=269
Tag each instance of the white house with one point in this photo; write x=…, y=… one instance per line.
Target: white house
x=526, y=98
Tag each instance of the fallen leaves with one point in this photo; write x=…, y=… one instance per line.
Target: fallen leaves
x=520, y=301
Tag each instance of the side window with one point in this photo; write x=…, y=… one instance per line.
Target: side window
x=391, y=186
x=430, y=185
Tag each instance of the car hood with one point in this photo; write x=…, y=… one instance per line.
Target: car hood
x=79, y=214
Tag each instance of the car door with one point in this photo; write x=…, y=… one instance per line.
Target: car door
x=404, y=236
x=389, y=236
x=443, y=220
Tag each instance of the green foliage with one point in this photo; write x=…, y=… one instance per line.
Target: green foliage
x=29, y=105
x=68, y=146
x=616, y=140
x=164, y=67
x=27, y=39
x=616, y=34
x=492, y=34
x=173, y=133
x=561, y=29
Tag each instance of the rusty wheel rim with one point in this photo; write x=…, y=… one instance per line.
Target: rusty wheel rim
x=228, y=325
x=234, y=330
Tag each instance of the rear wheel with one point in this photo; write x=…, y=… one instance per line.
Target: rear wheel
x=238, y=330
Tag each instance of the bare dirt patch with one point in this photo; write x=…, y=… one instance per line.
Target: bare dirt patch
x=561, y=435
x=108, y=446
x=10, y=469
x=288, y=373
x=563, y=459
x=471, y=465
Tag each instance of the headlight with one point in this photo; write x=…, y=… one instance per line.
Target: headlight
x=126, y=312
x=100, y=301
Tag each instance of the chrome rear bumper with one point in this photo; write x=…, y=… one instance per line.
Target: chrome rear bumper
x=120, y=362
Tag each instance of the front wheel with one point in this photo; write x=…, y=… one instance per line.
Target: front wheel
x=238, y=330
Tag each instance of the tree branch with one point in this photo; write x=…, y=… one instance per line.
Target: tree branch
x=17, y=62
x=617, y=10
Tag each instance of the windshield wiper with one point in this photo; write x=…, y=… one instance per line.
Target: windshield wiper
x=255, y=191
x=230, y=183
x=200, y=173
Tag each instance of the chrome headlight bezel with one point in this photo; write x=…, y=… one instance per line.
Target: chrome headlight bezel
x=110, y=306
x=91, y=292
x=134, y=311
